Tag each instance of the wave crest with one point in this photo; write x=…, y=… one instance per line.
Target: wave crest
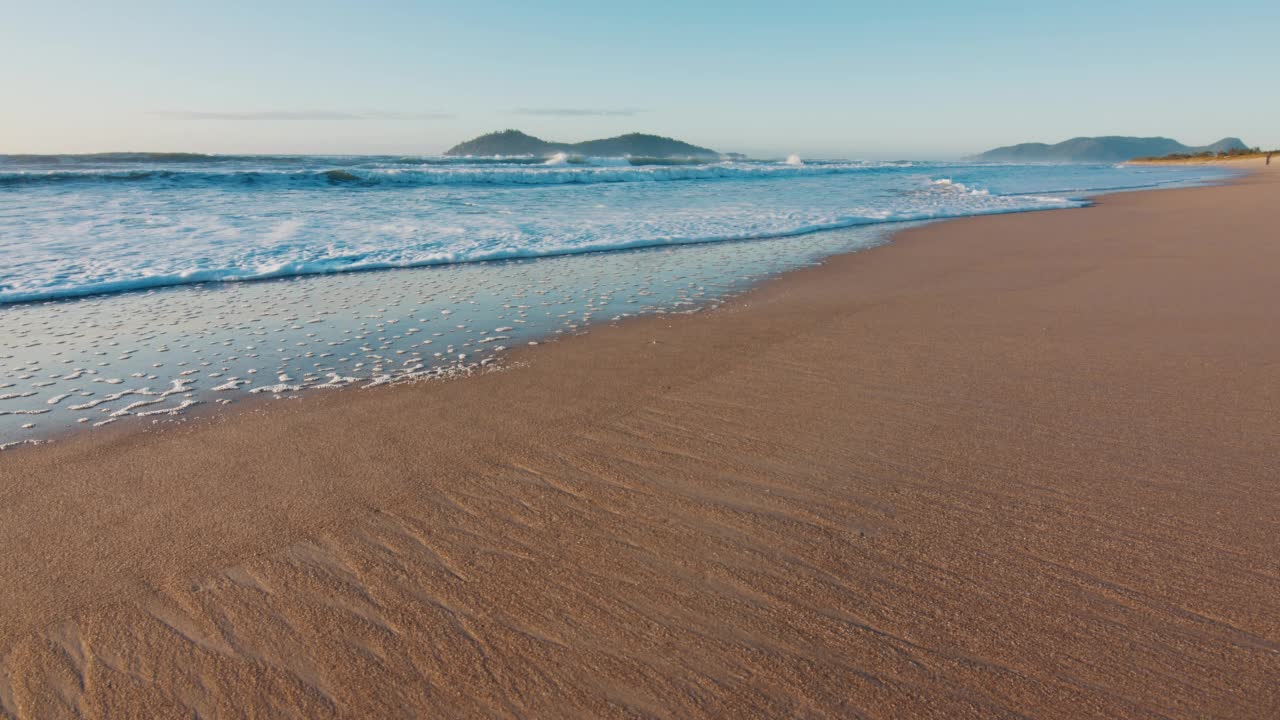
x=558, y=170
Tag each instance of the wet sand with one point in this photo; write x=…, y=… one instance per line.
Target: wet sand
x=1011, y=466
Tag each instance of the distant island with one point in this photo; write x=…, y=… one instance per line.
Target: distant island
x=514, y=142
x=1112, y=148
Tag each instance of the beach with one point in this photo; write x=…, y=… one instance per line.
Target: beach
x=1017, y=465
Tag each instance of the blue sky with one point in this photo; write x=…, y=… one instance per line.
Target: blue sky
x=922, y=79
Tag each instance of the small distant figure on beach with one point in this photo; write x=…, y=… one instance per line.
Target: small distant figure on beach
x=1269, y=158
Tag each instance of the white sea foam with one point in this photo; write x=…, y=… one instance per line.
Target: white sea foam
x=105, y=399
x=226, y=219
x=170, y=410
x=218, y=344
x=19, y=443
x=276, y=389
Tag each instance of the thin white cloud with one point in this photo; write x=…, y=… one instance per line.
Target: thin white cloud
x=578, y=112
x=300, y=115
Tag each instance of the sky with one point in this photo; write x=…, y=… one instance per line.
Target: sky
x=822, y=79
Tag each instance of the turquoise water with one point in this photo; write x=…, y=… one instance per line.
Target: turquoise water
x=79, y=225
x=165, y=342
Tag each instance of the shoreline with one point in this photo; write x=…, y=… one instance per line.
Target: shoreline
x=60, y=428
x=913, y=479
x=209, y=276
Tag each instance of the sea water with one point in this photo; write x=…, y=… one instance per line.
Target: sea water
x=123, y=292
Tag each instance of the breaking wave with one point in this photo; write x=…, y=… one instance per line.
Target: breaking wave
x=88, y=225
x=257, y=266
x=558, y=170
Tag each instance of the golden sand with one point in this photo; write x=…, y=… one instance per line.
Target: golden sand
x=1014, y=466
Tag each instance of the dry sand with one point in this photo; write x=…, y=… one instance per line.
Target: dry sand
x=1015, y=466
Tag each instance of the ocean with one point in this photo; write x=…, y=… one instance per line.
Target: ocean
x=123, y=288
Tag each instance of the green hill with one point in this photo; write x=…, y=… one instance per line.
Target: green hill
x=514, y=142
x=1114, y=148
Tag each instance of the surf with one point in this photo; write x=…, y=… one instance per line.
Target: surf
x=76, y=226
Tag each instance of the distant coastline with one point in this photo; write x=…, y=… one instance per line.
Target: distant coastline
x=1206, y=158
x=1111, y=148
